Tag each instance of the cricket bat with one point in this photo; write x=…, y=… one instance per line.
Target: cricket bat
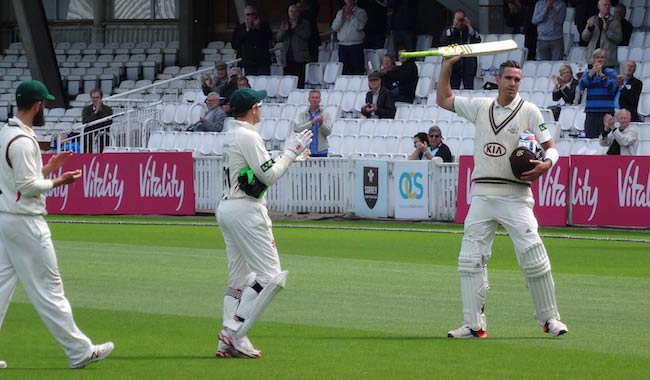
x=469, y=50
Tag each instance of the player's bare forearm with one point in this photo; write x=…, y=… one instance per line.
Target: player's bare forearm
x=540, y=168
x=444, y=96
x=56, y=162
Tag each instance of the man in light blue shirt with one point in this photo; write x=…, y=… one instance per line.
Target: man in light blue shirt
x=549, y=16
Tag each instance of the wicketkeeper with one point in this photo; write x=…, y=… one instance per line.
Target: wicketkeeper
x=254, y=273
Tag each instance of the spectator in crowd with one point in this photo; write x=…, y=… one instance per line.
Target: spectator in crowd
x=436, y=147
x=621, y=137
x=213, y=120
x=231, y=86
x=604, y=32
x=387, y=67
x=376, y=28
x=518, y=15
x=462, y=32
x=318, y=121
x=217, y=82
x=600, y=84
x=403, y=27
x=565, y=85
x=252, y=40
x=309, y=10
x=242, y=82
x=379, y=102
x=421, y=145
x=549, y=17
x=96, y=133
x=583, y=10
x=626, y=26
x=349, y=25
x=295, y=34
x=629, y=91
x=404, y=79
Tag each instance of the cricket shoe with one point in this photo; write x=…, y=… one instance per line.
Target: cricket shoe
x=242, y=345
x=3, y=364
x=225, y=351
x=555, y=327
x=99, y=352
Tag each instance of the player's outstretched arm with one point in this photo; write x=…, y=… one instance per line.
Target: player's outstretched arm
x=444, y=96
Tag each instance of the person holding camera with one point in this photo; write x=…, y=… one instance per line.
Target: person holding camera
x=94, y=111
x=462, y=32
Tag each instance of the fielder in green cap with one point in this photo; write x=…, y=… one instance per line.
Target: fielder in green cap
x=27, y=252
x=254, y=272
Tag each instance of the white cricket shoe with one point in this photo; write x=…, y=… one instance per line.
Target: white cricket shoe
x=99, y=352
x=465, y=332
x=225, y=351
x=555, y=327
x=241, y=345
x=3, y=364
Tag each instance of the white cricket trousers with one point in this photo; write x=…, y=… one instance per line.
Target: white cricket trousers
x=27, y=254
x=250, y=245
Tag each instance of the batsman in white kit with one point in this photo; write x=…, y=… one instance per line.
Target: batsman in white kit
x=26, y=250
x=254, y=273
x=498, y=197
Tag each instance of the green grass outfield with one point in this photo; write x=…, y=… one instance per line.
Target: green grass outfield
x=372, y=303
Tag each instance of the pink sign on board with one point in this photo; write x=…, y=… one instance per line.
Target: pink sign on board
x=610, y=191
x=551, y=192
x=126, y=183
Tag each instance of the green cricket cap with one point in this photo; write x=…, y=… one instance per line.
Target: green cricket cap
x=30, y=92
x=244, y=99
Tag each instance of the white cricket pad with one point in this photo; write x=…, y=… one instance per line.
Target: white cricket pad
x=263, y=299
x=473, y=289
x=537, y=270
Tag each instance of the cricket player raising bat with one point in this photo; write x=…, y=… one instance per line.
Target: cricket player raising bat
x=254, y=274
x=498, y=197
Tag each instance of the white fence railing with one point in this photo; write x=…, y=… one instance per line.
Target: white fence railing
x=321, y=186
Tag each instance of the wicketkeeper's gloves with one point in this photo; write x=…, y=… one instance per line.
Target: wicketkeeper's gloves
x=298, y=142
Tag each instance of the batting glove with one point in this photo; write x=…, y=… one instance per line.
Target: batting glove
x=298, y=142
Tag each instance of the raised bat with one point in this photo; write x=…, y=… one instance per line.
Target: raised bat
x=469, y=50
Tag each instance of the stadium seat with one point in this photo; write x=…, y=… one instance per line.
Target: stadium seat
x=332, y=71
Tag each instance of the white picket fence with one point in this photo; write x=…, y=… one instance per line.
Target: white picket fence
x=321, y=186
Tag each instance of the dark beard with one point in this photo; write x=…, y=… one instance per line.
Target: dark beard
x=39, y=119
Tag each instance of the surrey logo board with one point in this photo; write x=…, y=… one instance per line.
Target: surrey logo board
x=370, y=188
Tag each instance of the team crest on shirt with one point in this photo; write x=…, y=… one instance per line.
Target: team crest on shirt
x=514, y=129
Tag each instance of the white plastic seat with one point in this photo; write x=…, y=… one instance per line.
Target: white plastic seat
x=423, y=87
x=356, y=83
x=332, y=71
x=403, y=111
x=288, y=84
x=282, y=131
x=181, y=113
x=272, y=86
x=314, y=75
x=288, y=111
x=417, y=112
x=567, y=117
x=333, y=111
